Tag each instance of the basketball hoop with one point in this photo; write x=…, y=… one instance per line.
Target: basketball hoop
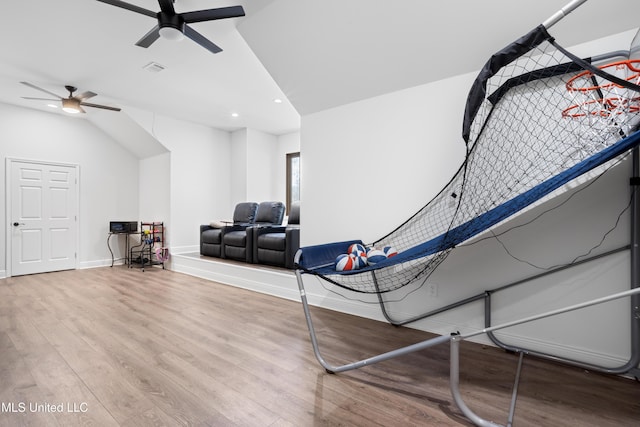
x=583, y=82
x=601, y=104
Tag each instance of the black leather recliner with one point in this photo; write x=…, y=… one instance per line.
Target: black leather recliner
x=278, y=245
x=237, y=242
x=211, y=237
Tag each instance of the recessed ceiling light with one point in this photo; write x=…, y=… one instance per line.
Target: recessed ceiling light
x=278, y=101
x=235, y=115
x=52, y=105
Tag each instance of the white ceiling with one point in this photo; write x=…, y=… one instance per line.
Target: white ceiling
x=331, y=52
x=91, y=45
x=314, y=54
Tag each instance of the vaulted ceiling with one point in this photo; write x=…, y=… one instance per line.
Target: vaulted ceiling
x=311, y=54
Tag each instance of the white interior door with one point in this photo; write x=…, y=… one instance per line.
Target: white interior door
x=43, y=220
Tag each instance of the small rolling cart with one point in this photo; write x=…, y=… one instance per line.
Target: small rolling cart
x=151, y=250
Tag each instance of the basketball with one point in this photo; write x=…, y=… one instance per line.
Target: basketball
x=345, y=262
x=356, y=249
x=360, y=261
x=374, y=256
x=389, y=251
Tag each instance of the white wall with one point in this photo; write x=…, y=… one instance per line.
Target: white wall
x=261, y=156
x=369, y=165
x=199, y=177
x=108, y=172
x=258, y=160
x=195, y=174
x=153, y=194
x=238, y=177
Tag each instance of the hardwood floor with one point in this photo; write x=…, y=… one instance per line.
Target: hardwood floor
x=119, y=347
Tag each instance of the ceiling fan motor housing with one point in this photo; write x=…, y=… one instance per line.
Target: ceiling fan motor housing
x=167, y=20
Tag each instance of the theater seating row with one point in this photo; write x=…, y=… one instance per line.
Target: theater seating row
x=256, y=235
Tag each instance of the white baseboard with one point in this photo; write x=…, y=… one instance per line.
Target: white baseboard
x=562, y=350
x=3, y=274
x=184, y=249
x=99, y=263
x=267, y=281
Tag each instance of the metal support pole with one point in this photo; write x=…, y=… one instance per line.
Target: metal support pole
x=634, y=360
x=454, y=382
x=364, y=362
x=570, y=7
x=514, y=395
x=312, y=332
x=567, y=309
x=454, y=374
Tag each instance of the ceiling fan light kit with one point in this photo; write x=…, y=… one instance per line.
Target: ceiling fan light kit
x=173, y=26
x=72, y=104
x=171, y=33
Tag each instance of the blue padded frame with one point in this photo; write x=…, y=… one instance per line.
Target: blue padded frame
x=320, y=259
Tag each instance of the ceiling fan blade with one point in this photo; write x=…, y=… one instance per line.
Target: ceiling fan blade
x=201, y=40
x=130, y=7
x=212, y=14
x=167, y=6
x=86, y=95
x=104, y=107
x=41, y=90
x=149, y=38
x=39, y=99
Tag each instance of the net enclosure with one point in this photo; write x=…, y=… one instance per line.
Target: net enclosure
x=536, y=118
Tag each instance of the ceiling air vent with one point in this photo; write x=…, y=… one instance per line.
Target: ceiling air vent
x=153, y=67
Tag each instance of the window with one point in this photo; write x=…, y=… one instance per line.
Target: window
x=293, y=178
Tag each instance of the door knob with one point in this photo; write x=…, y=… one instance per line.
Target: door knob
x=15, y=224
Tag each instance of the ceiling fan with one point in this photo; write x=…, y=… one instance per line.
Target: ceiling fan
x=173, y=26
x=71, y=104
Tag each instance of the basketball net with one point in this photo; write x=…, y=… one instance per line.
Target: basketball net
x=602, y=105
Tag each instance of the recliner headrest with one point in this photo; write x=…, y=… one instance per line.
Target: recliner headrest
x=245, y=212
x=270, y=213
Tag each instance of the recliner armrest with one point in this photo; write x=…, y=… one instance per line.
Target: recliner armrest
x=203, y=228
x=292, y=237
x=266, y=229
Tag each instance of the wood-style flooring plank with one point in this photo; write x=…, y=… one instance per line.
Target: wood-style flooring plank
x=161, y=348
